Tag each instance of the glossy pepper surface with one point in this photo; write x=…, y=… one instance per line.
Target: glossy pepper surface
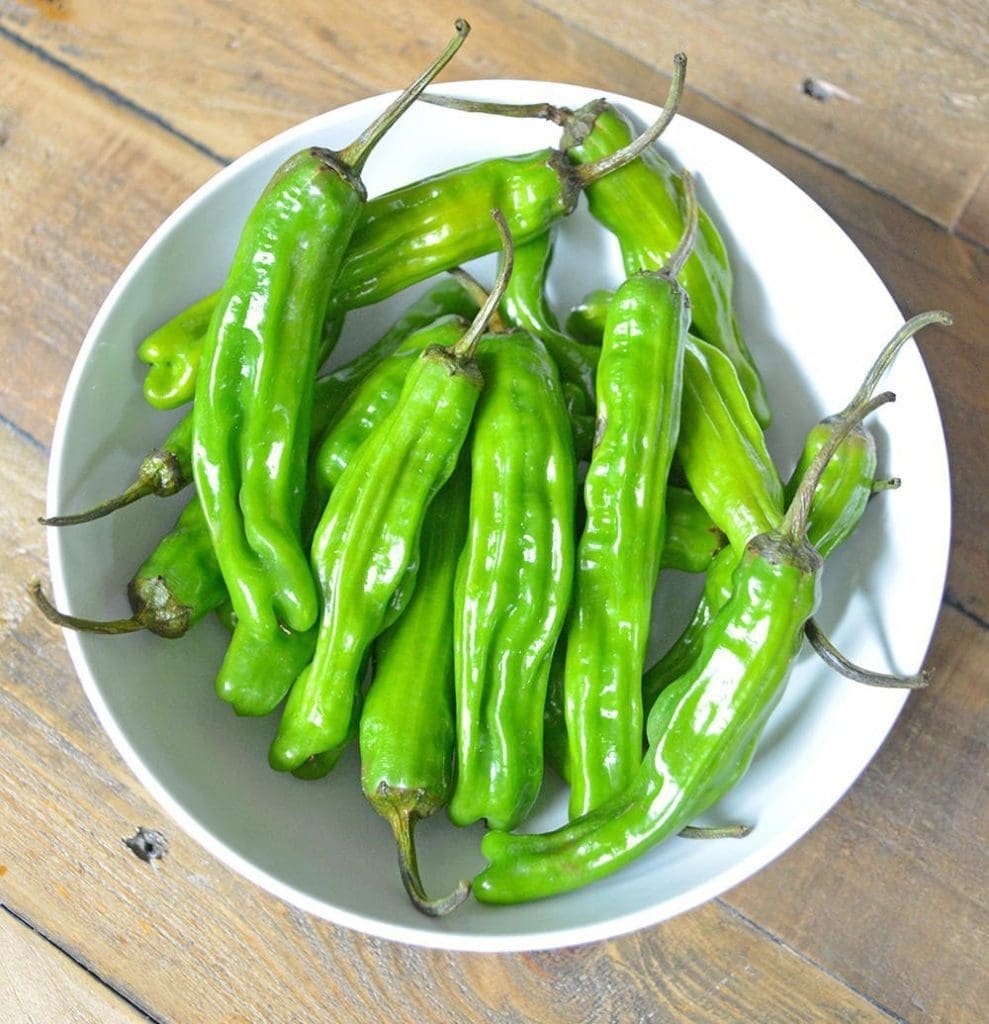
x=642, y=205
x=254, y=394
x=176, y=586
x=702, y=730
x=408, y=723
x=369, y=531
x=638, y=388
x=839, y=500
x=514, y=579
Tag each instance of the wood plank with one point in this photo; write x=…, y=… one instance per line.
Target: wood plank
x=908, y=838
x=66, y=801
x=84, y=183
x=905, y=113
x=902, y=105
x=40, y=983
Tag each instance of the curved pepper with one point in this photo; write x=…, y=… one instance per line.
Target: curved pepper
x=638, y=387
x=369, y=532
x=408, y=722
x=702, y=730
x=514, y=579
x=254, y=394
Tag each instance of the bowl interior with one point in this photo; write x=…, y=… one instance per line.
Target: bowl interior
x=814, y=314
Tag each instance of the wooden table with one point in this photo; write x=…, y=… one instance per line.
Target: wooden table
x=113, y=112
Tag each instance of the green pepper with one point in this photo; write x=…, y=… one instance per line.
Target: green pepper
x=585, y=321
x=182, y=581
x=703, y=729
x=514, y=579
x=408, y=723
x=168, y=468
x=746, y=503
x=254, y=394
x=641, y=205
x=525, y=306
x=433, y=225
x=692, y=539
x=369, y=532
x=173, y=589
x=442, y=221
x=638, y=387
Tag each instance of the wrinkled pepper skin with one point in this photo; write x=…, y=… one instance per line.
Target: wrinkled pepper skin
x=251, y=683
x=722, y=448
x=176, y=583
x=846, y=486
x=408, y=722
x=253, y=410
x=365, y=541
x=514, y=579
x=641, y=205
x=168, y=469
x=444, y=221
x=703, y=729
x=254, y=395
x=619, y=552
x=693, y=543
x=371, y=399
x=702, y=734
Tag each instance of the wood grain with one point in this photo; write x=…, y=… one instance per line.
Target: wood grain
x=84, y=183
x=878, y=915
x=907, y=112
x=60, y=991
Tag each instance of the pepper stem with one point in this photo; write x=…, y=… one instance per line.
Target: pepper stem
x=464, y=349
x=715, y=831
x=479, y=294
x=834, y=659
x=543, y=111
x=589, y=173
x=356, y=154
x=400, y=813
x=794, y=525
x=114, y=627
x=160, y=474
x=892, y=349
x=672, y=267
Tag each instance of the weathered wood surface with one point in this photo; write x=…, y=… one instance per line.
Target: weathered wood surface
x=894, y=94
x=877, y=915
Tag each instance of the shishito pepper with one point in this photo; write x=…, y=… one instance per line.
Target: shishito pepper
x=408, y=721
x=408, y=235
x=254, y=393
x=514, y=579
x=168, y=468
x=729, y=464
x=369, y=532
x=702, y=730
x=176, y=586
x=641, y=205
x=638, y=388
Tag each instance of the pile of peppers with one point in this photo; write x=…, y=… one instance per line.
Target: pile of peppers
x=447, y=549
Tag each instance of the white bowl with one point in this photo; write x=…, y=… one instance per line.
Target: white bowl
x=814, y=313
